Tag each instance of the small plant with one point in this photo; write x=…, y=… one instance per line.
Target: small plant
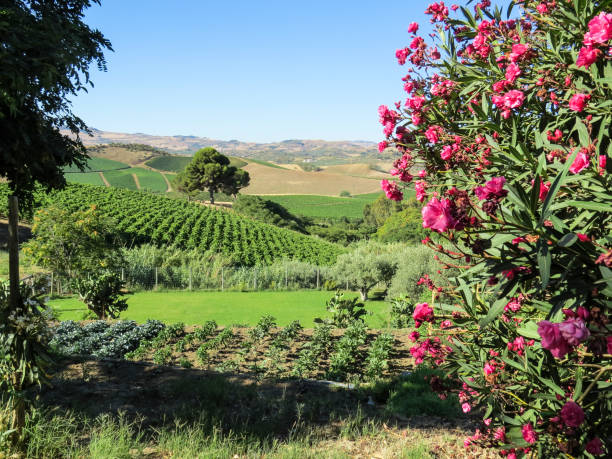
x=206, y=331
x=162, y=356
x=290, y=332
x=313, y=352
x=184, y=362
x=377, y=360
x=227, y=366
x=202, y=355
x=345, y=360
x=344, y=311
x=180, y=345
x=401, y=313
x=262, y=328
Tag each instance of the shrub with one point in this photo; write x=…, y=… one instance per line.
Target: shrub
x=344, y=311
x=401, y=313
x=512, y=129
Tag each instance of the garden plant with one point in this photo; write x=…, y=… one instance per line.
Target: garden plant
x=505, y=132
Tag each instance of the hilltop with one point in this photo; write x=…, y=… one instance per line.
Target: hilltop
x=284, y=151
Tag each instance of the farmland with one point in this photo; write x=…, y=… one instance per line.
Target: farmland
x=325, y=206
x=143, y=217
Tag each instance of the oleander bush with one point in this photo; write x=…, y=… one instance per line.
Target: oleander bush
x=507, y=118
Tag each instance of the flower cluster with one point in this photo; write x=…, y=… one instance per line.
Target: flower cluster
x=509, y=131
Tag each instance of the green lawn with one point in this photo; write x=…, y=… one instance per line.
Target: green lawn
x=226, y=308
x=325, y=206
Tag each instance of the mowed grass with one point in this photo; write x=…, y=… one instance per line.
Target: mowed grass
x=226, y=308
x=325, y=206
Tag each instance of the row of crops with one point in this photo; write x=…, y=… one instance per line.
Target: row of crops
x=142, y=217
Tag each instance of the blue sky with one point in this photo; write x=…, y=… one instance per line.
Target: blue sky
x=257, y=71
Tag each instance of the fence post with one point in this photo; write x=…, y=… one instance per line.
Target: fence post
x=286, y=278
x=222, y=280
x=317, y=278
x=51, y=291
x=156, y=278
x=255, y=279
x=347, y=286
x=190, y=278
x=122, y=274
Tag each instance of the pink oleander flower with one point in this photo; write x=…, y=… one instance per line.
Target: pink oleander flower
x=574, y=331
x=437, y=215
x=583, y=237
x=571, y=414
x=514, y=98
x=580, y=163
x=578, y=102
x=382, y=146
x=602, y=164
x=552, y=339
x=500, y=434
x=446, y=153
x=529, y=435
x=466, y=407
x=600, y=29
x=422, y=173
x=419, y=187
x=587, y=56
x=413, y=27
x=595, y=447
x=415, y=103
x=544, y=189
x=487, y=422
x=422, y=313
x=414, y=336
x=518, y=51
x=391, y=190
x=488, y=369
x=402, y=55
x=432, y=134
x=513, y=71
x=558, y=135
x=493, y=189
x=542, y=8
x=417, y=119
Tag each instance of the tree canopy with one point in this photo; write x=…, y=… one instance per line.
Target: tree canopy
x=210, y=170
x=46, y=53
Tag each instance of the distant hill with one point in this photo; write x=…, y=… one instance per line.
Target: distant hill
x=284, y=152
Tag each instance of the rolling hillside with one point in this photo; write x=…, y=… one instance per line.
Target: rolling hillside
x=148, y=218
x=284, y=151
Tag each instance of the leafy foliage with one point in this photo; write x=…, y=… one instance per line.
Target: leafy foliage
x=267, y=211
x=102, y=293
x=513, y=131
x=210, y=170
x=344, y=311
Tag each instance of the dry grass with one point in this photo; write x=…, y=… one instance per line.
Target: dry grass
x=271, y=181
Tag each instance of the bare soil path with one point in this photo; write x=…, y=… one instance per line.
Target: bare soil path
x=104, y=179
x=167, y=182
x=136, y=181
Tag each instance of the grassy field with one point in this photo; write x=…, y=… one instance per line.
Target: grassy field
x=99, y=164
x=226, y=308
x=150, y=180
x=264, y=163
x=121, y=179
x=325, y=206
x=86, y=178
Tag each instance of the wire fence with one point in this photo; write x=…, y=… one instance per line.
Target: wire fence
x=219, y=278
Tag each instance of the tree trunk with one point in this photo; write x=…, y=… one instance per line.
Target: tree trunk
x=13, y=246
x=212, y=196
x=363, y=293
